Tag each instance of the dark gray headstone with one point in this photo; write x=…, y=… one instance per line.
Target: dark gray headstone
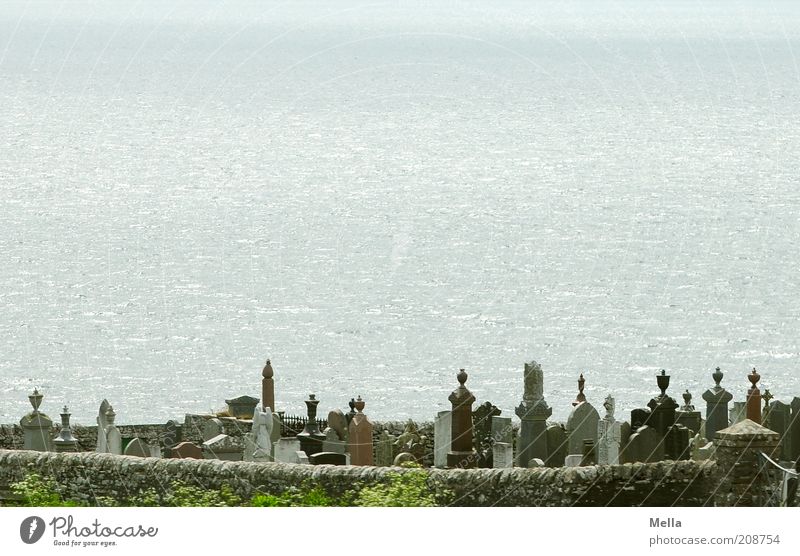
x=646, y=446
x=327, y=458
x=794, y=431
x=778, y=420
x=138, y=448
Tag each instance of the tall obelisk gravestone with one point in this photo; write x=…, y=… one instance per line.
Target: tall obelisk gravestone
x=533, y=411
x=462, y=455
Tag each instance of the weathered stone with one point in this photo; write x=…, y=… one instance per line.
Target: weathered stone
x=502, y=430
x=609, y=436
x=328, y=458
x=211, y=428
x=753, y=403
x=222, y=447
x=778, y=420
x=442, y=436
x=242, y=407
x=557, y=443
x=533, y=411
x=646, y=445
x=794, y=432
x=268, y=387
x=384, y=454
x=462, y=454
x=332, y=442
x=482, y=432
x=738, y=412
x=137, y=448
x=261, y=434
x=101, y=446
x=717, y=399
x=187, y=450
x=662, y=407
x=339, y=423
x=65, y=442
x=360, y=443
x=311, y=438
x=502, y=455
x=36, y=426
x=285, y=450
x=581, y=425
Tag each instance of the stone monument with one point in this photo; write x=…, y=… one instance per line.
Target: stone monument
x=533, y=412
x=462, y=455
x=360, y=441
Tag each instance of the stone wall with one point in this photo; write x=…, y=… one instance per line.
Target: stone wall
x=82, y=475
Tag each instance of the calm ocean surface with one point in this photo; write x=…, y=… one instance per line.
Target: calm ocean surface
x=376, y=194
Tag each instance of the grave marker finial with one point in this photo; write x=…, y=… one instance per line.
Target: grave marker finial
x=36, y=400
x=581, y=397
x=663, y=382
x=754, y=377
x=359, y=405
x=753, y=403
x=717, y=376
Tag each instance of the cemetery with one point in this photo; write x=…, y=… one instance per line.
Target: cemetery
x=665, y=453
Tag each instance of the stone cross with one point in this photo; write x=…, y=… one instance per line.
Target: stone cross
x=268, y=387
x=717, y=400
x=360, y=441
x=533, y=412
x=766, y=397
x=753, y=411
x=65, y=442
x=462, y=455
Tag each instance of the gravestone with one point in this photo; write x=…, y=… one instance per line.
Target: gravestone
x=533, y=411
x=350, y=414
x=687, y=415
x=137, y=448
x=462, y=455
x=639, y=418
x=677, y=443
x=360, y=437
x=573, y=460
x=65, y=442
x=645, y=446
x=753, y=403
x=662, y=407
x=717, y=399
x=222, y=447
x=482, y=432
x=242, y=407
x=172, y=436
x=412, y=442
x=187, y=450
x=301, y=457
x=609, y=436
x=339, y=423
x=778, y=420
x=557, y=443
x=502, y=455
x=328, y=458
x=624, y=434
x=738, y=412
x=794, y=431
x=285, y=450
x=112, y=434
x=384, y=453
x=442, y=436
x=101, y=446
x=535, y=462
x=261, y=435
x=268, y=387
x=581, y=425
x=155, y=449
x=311, y=438
x=766, y=397
x=502, y=430
x=36, y=426
x=332, y=443
x=211, y=428
x=404, y=457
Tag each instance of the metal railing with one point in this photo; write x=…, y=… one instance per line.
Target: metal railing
x=784, y=491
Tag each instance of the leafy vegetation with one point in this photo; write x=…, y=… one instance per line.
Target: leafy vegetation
x=409, y=489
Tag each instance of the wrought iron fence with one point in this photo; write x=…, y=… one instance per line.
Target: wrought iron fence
x=782, y=482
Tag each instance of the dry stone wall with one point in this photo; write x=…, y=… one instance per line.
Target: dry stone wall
x=83, y=475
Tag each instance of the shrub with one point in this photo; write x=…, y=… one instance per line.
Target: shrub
x=402, y=490
x=38, y=491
